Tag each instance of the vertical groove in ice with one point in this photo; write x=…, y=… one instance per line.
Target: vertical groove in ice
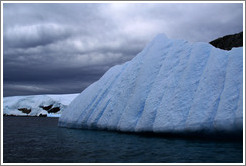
x=202, y=65
x=178, y=60
x=219, y=98
x=109, y=78
x=141, y=121
x=150, y=86
x=98, y=116
x=104, y=99
x=124, y=121
x=125, y=85
x=230, y=96
x=102, y=96
x=206, y=99
x=191, y=79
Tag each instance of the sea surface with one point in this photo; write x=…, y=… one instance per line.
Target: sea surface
x=39, y=140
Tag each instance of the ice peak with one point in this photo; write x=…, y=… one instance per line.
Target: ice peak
x=159, y=38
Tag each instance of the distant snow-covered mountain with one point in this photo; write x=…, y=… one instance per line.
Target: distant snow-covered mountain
x=36, y=105
x=171, y=86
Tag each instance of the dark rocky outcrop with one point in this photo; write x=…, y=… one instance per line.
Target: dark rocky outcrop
x=25, y=110
x=46, y=107
x=229, y=41
x=54, y=110
x=49, y=109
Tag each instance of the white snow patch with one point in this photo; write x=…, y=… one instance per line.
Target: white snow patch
x=34, y=103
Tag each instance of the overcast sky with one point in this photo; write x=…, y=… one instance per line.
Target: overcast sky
x=63, y=48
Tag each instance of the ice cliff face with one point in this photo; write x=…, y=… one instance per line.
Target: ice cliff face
x=36, y=105
x=171, y=86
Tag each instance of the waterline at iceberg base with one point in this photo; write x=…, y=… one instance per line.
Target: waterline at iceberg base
x=172, y=86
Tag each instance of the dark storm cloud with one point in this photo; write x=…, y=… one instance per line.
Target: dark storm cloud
x=63, y=48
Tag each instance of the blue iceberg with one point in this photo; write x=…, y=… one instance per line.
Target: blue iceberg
x=171, y=86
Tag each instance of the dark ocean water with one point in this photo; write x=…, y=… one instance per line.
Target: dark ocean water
x=39, y=140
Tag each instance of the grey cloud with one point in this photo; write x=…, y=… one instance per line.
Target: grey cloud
x=35, y=35
x=63, y=48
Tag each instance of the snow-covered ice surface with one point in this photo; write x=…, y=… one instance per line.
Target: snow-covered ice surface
x=171, y=86
x=34, y=103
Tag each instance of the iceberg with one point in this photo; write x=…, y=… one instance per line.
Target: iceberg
x=171, y=86
x=36, y=105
